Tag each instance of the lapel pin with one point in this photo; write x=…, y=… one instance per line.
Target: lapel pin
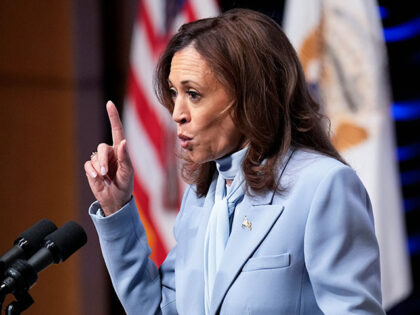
x=246, y=224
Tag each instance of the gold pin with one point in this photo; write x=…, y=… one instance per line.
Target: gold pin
x=247, y=224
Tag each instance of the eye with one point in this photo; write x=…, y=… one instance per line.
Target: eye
x=173, y=92
x=194, y=96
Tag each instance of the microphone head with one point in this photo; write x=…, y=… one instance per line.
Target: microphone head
x=67, y=239
x=32, y=239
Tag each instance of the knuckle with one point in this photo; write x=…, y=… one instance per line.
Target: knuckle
x=102, y=147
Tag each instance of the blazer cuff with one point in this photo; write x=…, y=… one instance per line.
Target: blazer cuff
x=118, y=224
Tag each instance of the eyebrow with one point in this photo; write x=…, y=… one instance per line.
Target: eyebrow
x=188, y=81
x=185, y=82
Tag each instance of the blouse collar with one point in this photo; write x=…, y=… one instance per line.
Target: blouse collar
x=230, y=165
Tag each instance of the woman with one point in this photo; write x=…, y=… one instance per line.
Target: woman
x=273, y=221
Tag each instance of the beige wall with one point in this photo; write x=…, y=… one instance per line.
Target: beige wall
x=59, y=61
x=37, y=137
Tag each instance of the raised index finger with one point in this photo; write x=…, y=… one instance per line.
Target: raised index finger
x=116, y=124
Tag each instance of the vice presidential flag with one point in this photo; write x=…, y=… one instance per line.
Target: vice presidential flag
x=341, y=47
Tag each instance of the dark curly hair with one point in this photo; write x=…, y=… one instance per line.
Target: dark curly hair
x=249, y=53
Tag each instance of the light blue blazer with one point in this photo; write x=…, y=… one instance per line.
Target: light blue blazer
x=309, y=250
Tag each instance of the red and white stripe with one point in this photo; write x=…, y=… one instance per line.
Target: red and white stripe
x=148, y=124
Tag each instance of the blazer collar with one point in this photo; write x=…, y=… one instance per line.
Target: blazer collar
x=265, y=198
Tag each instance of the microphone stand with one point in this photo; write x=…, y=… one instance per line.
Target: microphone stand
x=18, y=280
x=23, y=301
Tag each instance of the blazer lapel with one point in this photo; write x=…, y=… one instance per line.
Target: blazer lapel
x=189, y=271
x=244, y=240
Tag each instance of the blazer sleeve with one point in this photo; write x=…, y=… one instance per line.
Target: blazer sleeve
x=141, y=287
x=340, y=247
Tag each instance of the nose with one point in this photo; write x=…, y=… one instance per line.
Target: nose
x=180, y=113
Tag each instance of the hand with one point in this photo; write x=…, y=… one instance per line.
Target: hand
x=109, y=171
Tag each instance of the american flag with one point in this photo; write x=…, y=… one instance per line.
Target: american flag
x=150, y=131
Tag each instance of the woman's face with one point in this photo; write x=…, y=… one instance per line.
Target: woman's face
x=205, y=127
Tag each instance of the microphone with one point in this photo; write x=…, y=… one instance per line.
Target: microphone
x=57, y=247
x=27, y=243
